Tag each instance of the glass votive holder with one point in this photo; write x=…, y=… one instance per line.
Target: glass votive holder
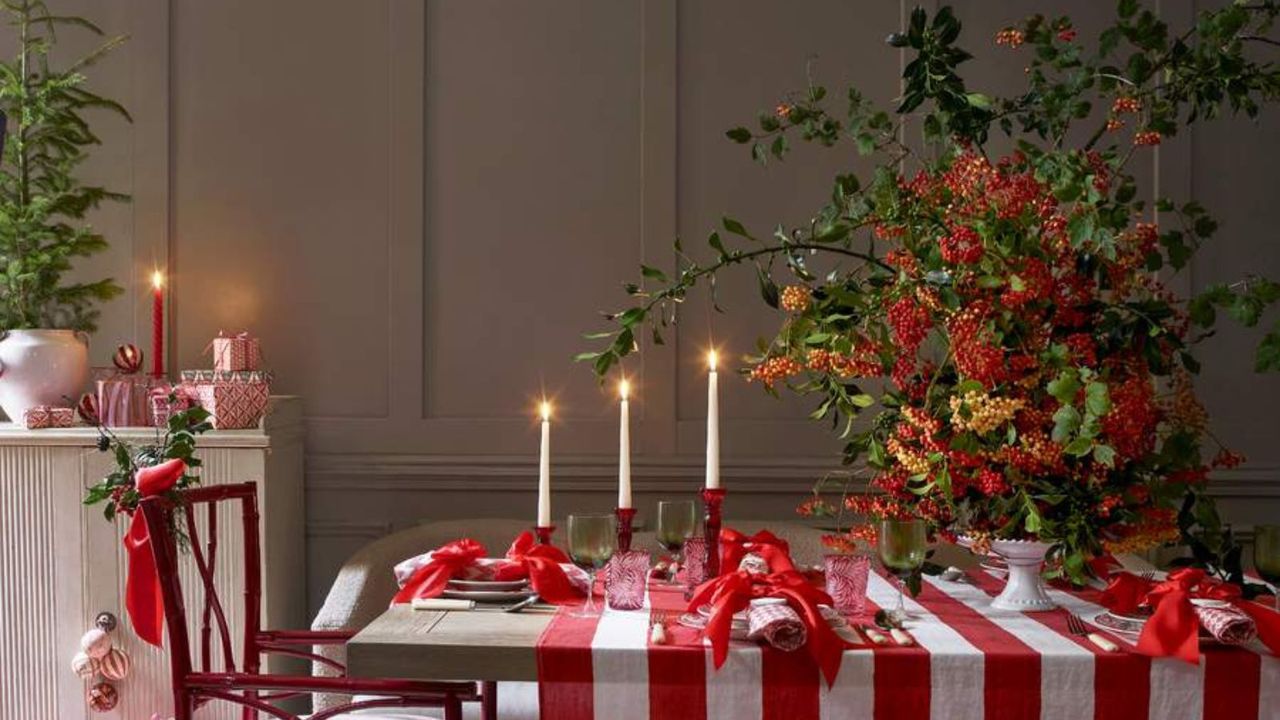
x=847, y=581
x=626, y=577
x=695, y=563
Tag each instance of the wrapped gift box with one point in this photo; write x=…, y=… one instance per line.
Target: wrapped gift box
x=235, y=400
x=124, y=400
x=44, y=416
x=236, y=352
x=166, y=400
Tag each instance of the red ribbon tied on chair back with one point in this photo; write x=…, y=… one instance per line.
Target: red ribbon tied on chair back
x=733, y=592
x=430, y=580
x=1174, y=628
x=142, y=597
x=734, y=546
x=541, y=564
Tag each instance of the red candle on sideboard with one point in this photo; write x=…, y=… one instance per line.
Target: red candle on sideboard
x=157, y=324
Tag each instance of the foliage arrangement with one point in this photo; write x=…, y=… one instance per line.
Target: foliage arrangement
x=178, y=440
x=1008, y=316
x=42, y=202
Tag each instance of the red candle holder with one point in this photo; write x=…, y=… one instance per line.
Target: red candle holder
x=625, y=518
x=544, y=533
x=712, y=499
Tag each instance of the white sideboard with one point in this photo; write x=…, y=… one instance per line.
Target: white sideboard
x=61, y=563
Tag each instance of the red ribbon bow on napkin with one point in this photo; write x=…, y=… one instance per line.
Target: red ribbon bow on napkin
x=734, y=546
x=541, y=564
x=142, y=596
x=430, y=579
x=1174, y=628
x=733, y=592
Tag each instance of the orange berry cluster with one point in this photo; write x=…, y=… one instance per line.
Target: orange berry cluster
x=986, y=413
x=1146, y=138
x=796, y=298
x=1011, y=37
x=783, y=110
x=775, y=369
x=1126, y=104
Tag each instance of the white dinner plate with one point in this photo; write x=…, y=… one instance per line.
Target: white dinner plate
x=488, y=595
x=489, y=585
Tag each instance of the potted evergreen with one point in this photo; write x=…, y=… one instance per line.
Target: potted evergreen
x=43, y=316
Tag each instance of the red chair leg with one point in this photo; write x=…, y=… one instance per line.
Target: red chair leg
x=452, y=708
x=489, y=700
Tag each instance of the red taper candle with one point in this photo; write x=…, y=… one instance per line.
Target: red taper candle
x=157, y=324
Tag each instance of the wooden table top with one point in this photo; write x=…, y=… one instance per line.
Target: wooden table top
x=448, y=645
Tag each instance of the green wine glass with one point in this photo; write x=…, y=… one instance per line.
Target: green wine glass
x=592, y=541
x=677, y=521
x=1266, y=556
x=902, y=550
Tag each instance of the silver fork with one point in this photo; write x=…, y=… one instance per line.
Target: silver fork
x=1077, y=626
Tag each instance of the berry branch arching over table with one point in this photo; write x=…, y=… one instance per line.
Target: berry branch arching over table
x=1030, y=369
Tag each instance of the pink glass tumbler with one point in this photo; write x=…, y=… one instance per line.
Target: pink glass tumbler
x=626, y=577
x=847, y=581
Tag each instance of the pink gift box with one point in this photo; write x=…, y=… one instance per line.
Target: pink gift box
x=234, y=353
x=125, y=401
x=233, y=404
x=44, y=416
x=166, y=401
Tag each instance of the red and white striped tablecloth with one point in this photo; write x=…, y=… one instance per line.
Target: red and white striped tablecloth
x=971, y=662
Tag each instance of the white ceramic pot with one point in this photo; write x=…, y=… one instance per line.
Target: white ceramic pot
x=1025, y=590
x=42, y=367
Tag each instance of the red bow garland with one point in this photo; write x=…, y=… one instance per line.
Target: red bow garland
x=541, y=564
x=142, y=596
x=430, y=580
x=733, y=592
x=1174, y=628
x=734, y=546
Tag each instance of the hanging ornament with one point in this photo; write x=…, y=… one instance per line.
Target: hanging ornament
x=114, y=665
x=96, y=643
x=103, y=697
x=128, y=359
x=84, y=666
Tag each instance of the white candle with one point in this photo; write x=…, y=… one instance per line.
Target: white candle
x=713, y=425
x=624, y=448
x=544, y=469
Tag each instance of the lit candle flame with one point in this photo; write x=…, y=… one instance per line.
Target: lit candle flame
x=624, y=388
x=157, y=280
x=545, y=409
x=711, y=359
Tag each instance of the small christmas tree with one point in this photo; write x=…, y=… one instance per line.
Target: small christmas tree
x=42, y=202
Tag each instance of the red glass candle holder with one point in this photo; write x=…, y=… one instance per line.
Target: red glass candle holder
x=712, y=499
x=544, y=533
x=626, y=516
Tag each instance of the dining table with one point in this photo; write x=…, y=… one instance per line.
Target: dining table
x=966, y=660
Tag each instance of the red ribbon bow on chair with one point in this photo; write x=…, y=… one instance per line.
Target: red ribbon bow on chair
x=142, y=596
x=733, y=592
x=1174, y=628
x=430, y=580
x=541, y=564
x=734, y=546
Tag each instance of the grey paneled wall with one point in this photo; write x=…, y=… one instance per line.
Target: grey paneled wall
x=419, y=204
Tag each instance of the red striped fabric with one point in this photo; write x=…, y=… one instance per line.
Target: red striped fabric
x=677, y=670
x=564, y=668
x=902, y=680
x=1231, y=680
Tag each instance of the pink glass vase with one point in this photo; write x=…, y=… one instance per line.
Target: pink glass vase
x=695, y=563
x=625, y=579
x=847, y=581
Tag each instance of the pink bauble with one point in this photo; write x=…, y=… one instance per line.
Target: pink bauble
x=84, y=666
x=96, y=644
x=114, y=665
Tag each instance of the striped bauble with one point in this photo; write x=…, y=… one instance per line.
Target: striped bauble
x=128, y=358
x=87, y=408
x=114, y=665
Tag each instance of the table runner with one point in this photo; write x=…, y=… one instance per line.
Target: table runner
x=971, y=662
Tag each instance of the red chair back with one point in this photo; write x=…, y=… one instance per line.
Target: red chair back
x=164, y=517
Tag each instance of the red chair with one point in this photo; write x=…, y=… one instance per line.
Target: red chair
x=249, y=687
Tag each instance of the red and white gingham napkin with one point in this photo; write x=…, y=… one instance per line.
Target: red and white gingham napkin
x=1227, y=624
x=776, y=624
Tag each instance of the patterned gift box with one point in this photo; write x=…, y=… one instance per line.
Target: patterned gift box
x=208, y=376
x=233, y=353
x=124, y=400
x=235, y=402
x=44, y=416
x=167, y=400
